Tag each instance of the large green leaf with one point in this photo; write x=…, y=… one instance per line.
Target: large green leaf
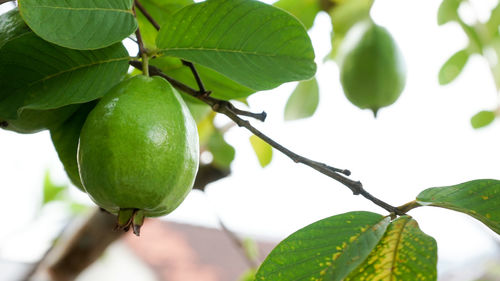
x=31, y=121
x=478, y=198
x=254, y=44
x=453, y=67
x=304, y=100
x=262, y=149
x=482, y=119
x=220, y=86
x=304, y=10
x=65, y=139
x=344, y=16
x=80, y=24
x=403, y=253
x=325, y=250
x=40, y=76
x=161, y=11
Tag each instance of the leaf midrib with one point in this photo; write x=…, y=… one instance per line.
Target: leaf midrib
x=84, y=9
x=231, y=51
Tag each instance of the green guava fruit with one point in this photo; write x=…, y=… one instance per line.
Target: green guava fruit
x=138, y=151
x=372, y=68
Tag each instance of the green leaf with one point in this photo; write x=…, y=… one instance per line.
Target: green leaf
x=11, y=26
x=32, y=121
x=346, y=15
x=40, y=76
x=51, y=191
x=482, y=119
x=222, y=152
x=494, y=21
x=328, y=249
x=403, y=253
x=453, y=67
x=478, y=198
x=248, y=275
x=448, y=11
x=252, y=43
x=262, y=149
x=65, y=139
x=304, y=10
x=304, y=100
x=221, y=86
x=161, y=11
x=80, y=24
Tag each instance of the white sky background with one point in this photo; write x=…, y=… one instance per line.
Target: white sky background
x=423, y=140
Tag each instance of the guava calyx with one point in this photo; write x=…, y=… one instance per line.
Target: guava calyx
x=130, y=218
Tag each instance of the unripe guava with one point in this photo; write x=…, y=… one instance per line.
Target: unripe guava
x=372, y=68
x=138, y=151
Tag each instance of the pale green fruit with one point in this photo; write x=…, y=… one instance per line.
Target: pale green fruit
x=372, y=69
x=138, y=151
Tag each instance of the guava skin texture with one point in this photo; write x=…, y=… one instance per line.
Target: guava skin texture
x=372, y=68
x=139, y=150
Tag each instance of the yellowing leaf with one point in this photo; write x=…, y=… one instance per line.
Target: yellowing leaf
x=263, y=150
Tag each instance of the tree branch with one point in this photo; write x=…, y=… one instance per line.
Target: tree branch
x=226, y=108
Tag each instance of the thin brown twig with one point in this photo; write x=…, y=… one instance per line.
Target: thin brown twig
x=5, y=1
x=146, y=14
x=239, y=244
x=226, y=108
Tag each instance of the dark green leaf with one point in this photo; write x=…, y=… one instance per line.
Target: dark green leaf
x=304, y=100
x=482, y=119
x=161, y=11
x=263, y=150
x=65, y=140
x=453, y=67
x=40, y=76
x=478, y=198
x=325, y=250
x=403, y=253
x=304, y=10
x=252, y=43
x=221, y=86
x=448, y=11
x=11, y=26
x=51, y=191
x=346, y=15
x=222, y=152
x=80, y=24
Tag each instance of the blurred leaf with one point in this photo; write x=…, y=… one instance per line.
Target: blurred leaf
x=65, y=139
x=222, y=152
x=77, y=208
x=494, y=21
x=255, y=44
x=221, y=86
x=249, y=275
x=453, y=67
x=328, y=249
x=344, y=15
x=482, y=119
x=448, y=11
x=403, y=253
x=251, y=248
x=51, y=191
x=82, y=24
x=478, y=198
x=304, y=100
x=304, y=10
x=161, y=11
x=262, y=149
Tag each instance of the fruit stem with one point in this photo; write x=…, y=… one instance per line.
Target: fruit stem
x=138, y=221
x=125, y=217
x=145, y=64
